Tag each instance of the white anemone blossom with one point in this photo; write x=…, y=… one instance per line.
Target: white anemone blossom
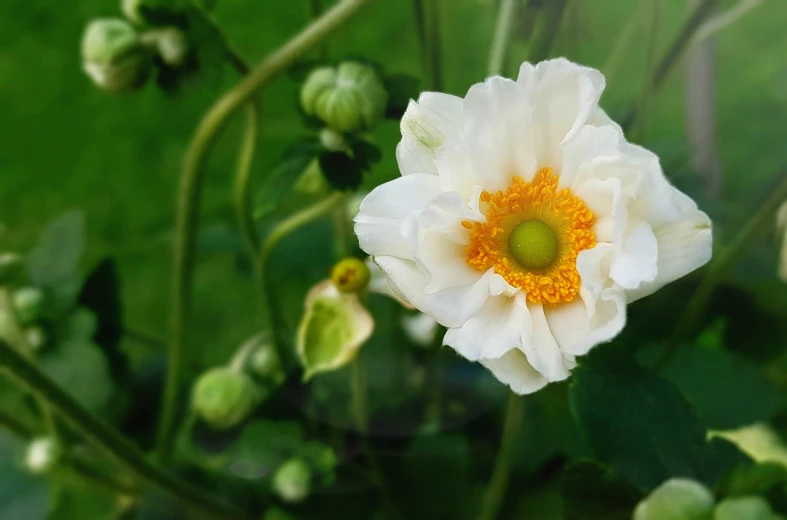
x=524, y=222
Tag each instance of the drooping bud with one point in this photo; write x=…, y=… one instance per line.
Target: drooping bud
x=350, y=275
x=11, y=267
x=171, y=45
x=676, y=499
x=42, y=455
x=113, y=56
x=332, y=330
x=348, y=98
x=292, y=480
x=29, y=304
x=223, y=397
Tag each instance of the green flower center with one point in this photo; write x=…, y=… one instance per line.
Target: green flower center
x=533, y=244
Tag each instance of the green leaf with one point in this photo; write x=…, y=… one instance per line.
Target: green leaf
x=758, y=479
x=341, y=171
x=640, y=424
x=592, y=492
x=294, y=162
x=365, y=153
x=73, y=500
x=81, y=369
x=54, y=262
x=731, y=392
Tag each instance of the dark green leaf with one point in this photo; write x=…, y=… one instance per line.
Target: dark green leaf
x=54, y=263
x=73, y=500
x=758, y=479
x=722, y=405
x=101, y=294
x=592, y=492
x=640, y=424
x=341, y=171
x=401, y=89
x=365, y=154
x=295, y=160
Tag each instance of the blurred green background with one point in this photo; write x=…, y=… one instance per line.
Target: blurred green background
x=66, y=145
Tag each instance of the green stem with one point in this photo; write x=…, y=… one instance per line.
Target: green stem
x=426, y=14
x=423, y=42
x=435, y=44
x=342, y=231
x=719, y=266
x=106, y=437
x=243, y=187
x=190, y=190
x=623, y=43
x=496, y=490
x=497, y=53
x=545, y=37
x=358, y=396
x=640, y=125
x=284, y=228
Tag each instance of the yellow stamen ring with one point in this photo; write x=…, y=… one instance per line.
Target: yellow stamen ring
x=532, y=236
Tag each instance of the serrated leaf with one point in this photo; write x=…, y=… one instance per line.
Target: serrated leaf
x=341, y=171
x=641, y=426
x=54, y=262
x=101, y=294
x=81, y=369
x=401, y=89
x=592, y=492
x=294, y=162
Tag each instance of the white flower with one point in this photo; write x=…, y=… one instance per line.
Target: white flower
x=524, y=222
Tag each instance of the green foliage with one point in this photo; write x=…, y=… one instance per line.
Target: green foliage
x=592, y=492
x=642, y=426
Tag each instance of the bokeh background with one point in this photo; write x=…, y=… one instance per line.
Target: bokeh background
x=65, y=145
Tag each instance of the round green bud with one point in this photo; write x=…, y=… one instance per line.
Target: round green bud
x=533, y=244
x=744, y=508
x=676, y=499
x=42, y=455
x=292, y=480
x=11, y=268
x=264, y=363
x=36, y=337
x=351, y=275
x=348, y=98
x=114, y=57
x=29, y=304
x=170, y=44
x=223, y=398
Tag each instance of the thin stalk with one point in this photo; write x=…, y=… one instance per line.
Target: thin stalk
x=106, y=437
x=315, y=9
x=543, y=39
x=719, y=265
x=190, y=191
x=419, y=18
x=496, y=490
x=624, y=42
x=670, y=59
x=284, y=228
x=639, y=128
x=341, y=229
x=243, y=194
x=358, y=396
x=430, y=19
x=497, y=53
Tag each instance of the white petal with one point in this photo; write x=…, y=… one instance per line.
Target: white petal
x=541, y=349
x=514, y=370
x=635, y=260
x=683, y=246
x=381, y=215
x=379, y=284
x=426, y=126
x=565, y=97
x=455, y=168
x=498, y=133
x=587, y=146
x=494, y=330
x=449, y=307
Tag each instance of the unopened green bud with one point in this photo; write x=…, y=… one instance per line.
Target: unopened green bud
x=333, y=141
x=170, y=43
x=744, y=508
x=114, y=57
x=264, y=363
x=36, y=337
x=29, y=304
x=351, y=275
x=348, y=98
x=223, y=397
x=42, y=455
x=676, y=499
x=292, y=481
x=11, y=267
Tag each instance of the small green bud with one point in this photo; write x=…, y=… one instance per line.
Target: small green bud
x=348, y=98
x=170, y=43
x=676, y=499
x=333, y=141
x=36, y=337
x=292, y=481
x=223, y=397
x=29, y=304
x=11, y=268
x=114, y=57
x=42, y=455
x=351, y=275
x=744, y=508
x=264, y=363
